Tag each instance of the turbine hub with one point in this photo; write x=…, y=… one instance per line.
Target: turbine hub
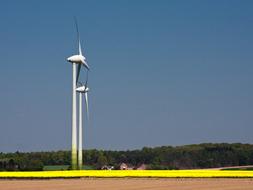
x=75, y=59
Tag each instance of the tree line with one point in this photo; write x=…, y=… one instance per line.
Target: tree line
x=208, y=155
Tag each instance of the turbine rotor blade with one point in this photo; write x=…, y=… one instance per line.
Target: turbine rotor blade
x=78, y=72
x=79, y=47
x=78, y=38
x=87, y=77
x=87, y=105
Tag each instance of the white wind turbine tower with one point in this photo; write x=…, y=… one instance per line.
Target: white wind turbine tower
x=83, y=89
x=79, y=60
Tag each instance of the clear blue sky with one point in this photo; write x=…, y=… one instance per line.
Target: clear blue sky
x=162, y=72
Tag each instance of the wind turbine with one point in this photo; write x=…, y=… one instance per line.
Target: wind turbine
x=79, y=60
x=83, y=89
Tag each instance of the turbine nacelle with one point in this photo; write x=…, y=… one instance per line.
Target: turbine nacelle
x=82, y=89
x=79, y=59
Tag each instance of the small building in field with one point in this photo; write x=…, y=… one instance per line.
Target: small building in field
x=123, y=166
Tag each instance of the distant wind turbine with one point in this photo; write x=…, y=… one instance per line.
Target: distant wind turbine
x=82, y=90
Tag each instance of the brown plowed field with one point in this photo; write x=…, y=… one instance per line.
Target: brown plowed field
x=128, y=184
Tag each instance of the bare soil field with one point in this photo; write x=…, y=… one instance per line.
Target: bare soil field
x=128, y=184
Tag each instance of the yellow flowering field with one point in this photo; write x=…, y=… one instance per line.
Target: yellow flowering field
x=129, y=173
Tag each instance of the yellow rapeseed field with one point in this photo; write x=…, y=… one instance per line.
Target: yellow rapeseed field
x=129, y=173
